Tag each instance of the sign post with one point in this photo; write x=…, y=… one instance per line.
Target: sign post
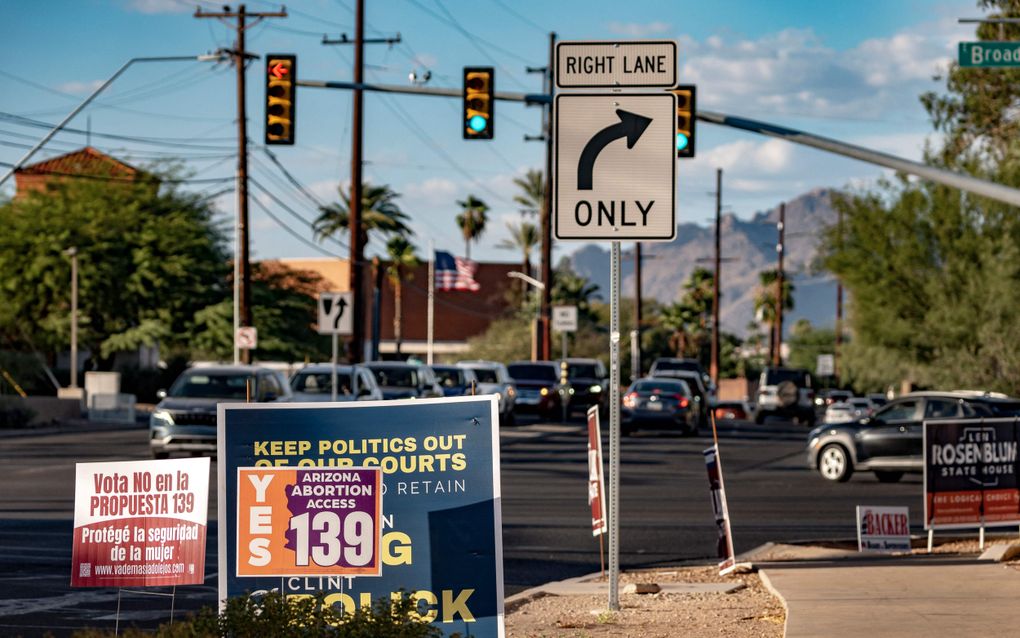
x=615, y=180
x=335, y=319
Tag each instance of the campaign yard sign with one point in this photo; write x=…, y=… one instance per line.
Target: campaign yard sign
x=440, y=541
x=140, y=523
x=883, y=529
x=970, y=473
x=596, y=475
x=717, y=490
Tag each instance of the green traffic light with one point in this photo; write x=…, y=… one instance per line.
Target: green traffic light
x=681, y=141
x=477, y=123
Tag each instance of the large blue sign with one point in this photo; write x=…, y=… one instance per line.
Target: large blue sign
x=442, y=531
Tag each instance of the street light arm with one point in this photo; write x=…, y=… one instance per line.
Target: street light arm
x=56, y=129
x=530, y=280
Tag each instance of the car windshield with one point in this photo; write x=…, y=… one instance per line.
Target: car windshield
x=321, y=382
x=396, y=377
x=449, y=377
x=211, y=385
x=661, y=387
x=1004, y=408
x=533, y=372
x=485, y=375
x=582, y=370
x=775, y=376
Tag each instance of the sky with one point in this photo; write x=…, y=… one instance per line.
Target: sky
x=852, y=71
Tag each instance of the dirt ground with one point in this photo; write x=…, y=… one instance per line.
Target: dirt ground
x=749, y=612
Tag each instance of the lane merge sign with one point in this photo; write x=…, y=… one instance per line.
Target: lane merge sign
x=336, y=313
x=607, y=64
x=615, y=166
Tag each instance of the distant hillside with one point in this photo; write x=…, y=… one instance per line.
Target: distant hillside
x=752, y=247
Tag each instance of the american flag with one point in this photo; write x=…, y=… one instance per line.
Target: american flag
x=454, y=273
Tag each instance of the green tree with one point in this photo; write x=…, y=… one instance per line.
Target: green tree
x=379, y=213
x=531, y=197
x=572, y=289
x=471, y=220
x=403, y=261
x=149, y=258
x=523, y=237
x=765, y=307
x=807, y=342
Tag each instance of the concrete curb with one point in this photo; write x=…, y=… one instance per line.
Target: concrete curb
x=71, y=428
x=775, y=592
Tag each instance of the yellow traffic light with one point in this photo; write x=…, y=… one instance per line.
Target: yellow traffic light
x=479, y=103
x=686, y=101
x=281, y=74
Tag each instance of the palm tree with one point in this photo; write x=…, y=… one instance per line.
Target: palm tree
x=532, y=195
x=572, y=289
x=379, y=213
x=472, y=221
x=765, y=302
x=524, y=237
x=682, y=319
x=403, y=260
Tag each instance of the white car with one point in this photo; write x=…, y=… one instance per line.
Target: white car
x=314, y=383
x=493, y=378
x=841, y=412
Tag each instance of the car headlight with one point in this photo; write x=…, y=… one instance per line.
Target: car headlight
x=544, y=391
x=510, y=391
x=813, y=443
x=161, y=417
x=595, y=388
x=499, y=397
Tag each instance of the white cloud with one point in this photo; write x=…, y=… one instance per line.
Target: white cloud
x=637, y=30
x=436, y=191
x=160, y=6
x=80, y=87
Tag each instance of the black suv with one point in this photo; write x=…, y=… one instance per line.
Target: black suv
x=539, y=388
x=889, y=443
x=589, y=381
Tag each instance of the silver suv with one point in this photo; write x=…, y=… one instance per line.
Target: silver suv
x=787, y=393
x=493, y=378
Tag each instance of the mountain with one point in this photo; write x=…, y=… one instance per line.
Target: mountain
x=749, y=246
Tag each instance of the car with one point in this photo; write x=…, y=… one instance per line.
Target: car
x=841, y=412
x=786, y=393
x=455, y=381
x=664, y=366
x=493, y=378
x=399, y=380
x=861, y=407
x=695, y=382
x=314, y=383
x=590, y=383
x=184, y=420
x=826, y=398
x=732, y=410
x=659, y=402
x=540, y=389
x=889, y=443
x=878, y=399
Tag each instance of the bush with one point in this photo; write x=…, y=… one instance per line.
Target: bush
x=280, y=616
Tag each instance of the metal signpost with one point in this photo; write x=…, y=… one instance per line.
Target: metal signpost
x=564, y=320
x=335, y=319
x=615, y=179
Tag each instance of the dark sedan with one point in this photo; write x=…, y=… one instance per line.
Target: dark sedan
x=539, y=389
x=889, y=443
x=455, y=381
x=589, y=381
x=659, y=403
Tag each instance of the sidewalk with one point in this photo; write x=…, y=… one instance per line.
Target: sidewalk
x=896, y=596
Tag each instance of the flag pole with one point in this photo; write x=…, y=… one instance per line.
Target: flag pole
x=432, y=299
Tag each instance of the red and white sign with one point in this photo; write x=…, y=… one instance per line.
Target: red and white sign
x=140, y=523
x=247, y=338
x=883, y=529
x=596, y=477
x=724, y=545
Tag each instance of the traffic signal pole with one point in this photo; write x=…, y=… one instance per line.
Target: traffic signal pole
x=714, y=365
x=242, y=259
x=546, y=307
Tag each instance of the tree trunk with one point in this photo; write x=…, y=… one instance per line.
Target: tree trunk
x=467, y=249
x=397, y=311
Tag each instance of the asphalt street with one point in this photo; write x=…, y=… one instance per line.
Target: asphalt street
x=665, y=517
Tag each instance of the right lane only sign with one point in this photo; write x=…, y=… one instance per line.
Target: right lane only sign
x=615, y=167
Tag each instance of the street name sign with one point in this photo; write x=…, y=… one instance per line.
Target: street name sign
x=336, y=313
x=989, y=54
x=615, y=166
x=564, y=318
x=608, y=64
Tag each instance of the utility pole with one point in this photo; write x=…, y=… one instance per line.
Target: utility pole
x=72, y=252
x=357, y=254
x=839, y=307
x=777, y=354
x=546, y=305
x=242, y=268
x=714, y=364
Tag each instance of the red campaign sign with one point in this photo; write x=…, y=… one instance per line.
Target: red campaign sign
x=140, y=523
x=596, y=478
x=717, y=490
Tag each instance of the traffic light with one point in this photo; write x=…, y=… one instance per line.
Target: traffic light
x=686, y=105
x=479, y=105
x=281, y=74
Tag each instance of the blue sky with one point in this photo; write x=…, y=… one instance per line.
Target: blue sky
x=848, y=70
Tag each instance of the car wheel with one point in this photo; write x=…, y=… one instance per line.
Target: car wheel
x=888, y=477
x=834, y=463
x=759, y=418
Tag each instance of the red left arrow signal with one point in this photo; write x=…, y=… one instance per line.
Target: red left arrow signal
x=278, y=70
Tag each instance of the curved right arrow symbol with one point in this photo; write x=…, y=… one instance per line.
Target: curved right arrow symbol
x=631, y=126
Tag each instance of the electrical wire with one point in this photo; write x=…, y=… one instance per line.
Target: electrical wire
x=114, y=178
x=520, y=16
x=294, y=213
x=293, y=233
x=293, y=180
x=154, y=141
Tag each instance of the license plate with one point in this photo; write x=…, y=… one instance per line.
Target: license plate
x=654, y=406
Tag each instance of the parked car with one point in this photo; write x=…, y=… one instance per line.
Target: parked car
x=661, y=403
x=825, y=398
x=493, y=378
x=733, y=410
x=695, y=381
x=889, y=442
x=399, y=380
x=861, y=407
x=539, y=388
x=664, y=366
x=185, y=418
x=841, y=412
x=787, y=393
x=878, y=399
x=455, y=381
x=590, y=383
x=314, y=383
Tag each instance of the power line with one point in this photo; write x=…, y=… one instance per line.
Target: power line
x=154, y=141
x=293, y=233
x=115, y=178
x=521, y=17
x=290, y=210
x=293, y=180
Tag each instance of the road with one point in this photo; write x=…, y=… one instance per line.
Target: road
x=665, y=517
